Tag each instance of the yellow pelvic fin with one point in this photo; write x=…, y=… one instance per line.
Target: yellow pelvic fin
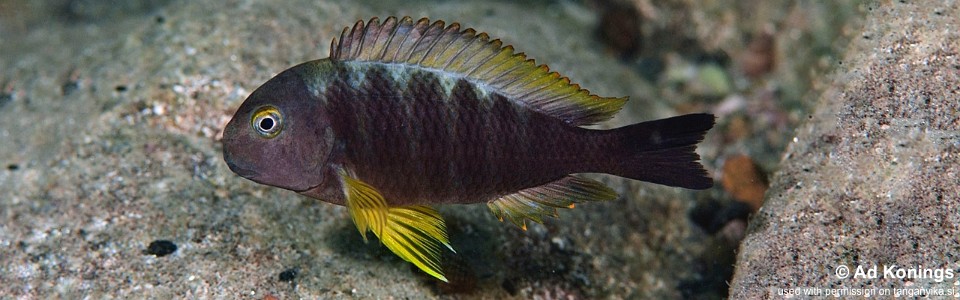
x=367, y=207
x=473, y=56
x=538, y=202
x=414, y=233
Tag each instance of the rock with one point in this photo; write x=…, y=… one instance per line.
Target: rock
x=744, y=181
x=620, y=27
x=760, y=56
x=872, y=178
x=288, y=275
x=160, y=248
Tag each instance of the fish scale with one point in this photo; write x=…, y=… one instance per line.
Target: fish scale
x=424, y=177
x=405, y=114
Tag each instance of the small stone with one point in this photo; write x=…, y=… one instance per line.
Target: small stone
x=69, y=87
x=161, y=248
x=288, y=275
x=744, y=180
x=620, y=28
x=759, y=57
x=734, y=231
x=5, y=98
x=738, y=128
x=712, y=81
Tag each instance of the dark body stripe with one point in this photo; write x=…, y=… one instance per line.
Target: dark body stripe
x=408, y=140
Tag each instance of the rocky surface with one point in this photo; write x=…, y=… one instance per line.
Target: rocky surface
x=873, y=178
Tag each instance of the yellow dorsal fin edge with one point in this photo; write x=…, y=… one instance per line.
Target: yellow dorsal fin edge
x=475, y=57
x=414, y=233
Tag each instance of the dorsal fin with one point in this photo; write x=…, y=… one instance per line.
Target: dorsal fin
x=477, y=58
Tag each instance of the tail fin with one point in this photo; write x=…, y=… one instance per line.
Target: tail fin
x=663, y=151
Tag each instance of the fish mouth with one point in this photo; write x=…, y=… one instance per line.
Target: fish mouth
x=245, y=173
x=307, y=189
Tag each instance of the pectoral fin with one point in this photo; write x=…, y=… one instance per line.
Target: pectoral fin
x=538, y=202
x=414, y=233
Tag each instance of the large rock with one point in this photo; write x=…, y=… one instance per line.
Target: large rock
x=873, y=179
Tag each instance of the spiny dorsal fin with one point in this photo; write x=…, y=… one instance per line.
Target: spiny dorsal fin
x=542, y=201
x=414, y=233
x=475, y=57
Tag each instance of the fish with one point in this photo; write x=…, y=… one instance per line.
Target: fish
x=405, y=115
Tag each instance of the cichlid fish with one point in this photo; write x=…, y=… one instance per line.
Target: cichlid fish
x=405, y=114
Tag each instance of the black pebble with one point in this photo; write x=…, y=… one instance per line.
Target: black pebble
x=69, y=87
x=161, y=248
x=13, y=167
x=288, y=275
x=5, y=98
x=120, y=88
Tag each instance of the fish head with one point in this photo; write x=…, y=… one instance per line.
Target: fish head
x=280, y=135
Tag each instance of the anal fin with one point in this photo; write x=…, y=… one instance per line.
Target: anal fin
x=414, y=233
x=542, y=201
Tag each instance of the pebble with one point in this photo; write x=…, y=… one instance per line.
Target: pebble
x=161, y=248
x=744, y=180
x=288, y=275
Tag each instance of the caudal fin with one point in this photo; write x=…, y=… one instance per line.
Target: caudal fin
x=663, y=151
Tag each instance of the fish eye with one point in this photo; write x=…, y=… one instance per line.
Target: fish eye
x=267, y=121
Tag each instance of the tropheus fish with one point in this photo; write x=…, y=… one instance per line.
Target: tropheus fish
x=404, y=115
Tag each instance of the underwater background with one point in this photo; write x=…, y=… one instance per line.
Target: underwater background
x=113, y=183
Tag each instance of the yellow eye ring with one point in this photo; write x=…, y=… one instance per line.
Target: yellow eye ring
x=267, y=121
